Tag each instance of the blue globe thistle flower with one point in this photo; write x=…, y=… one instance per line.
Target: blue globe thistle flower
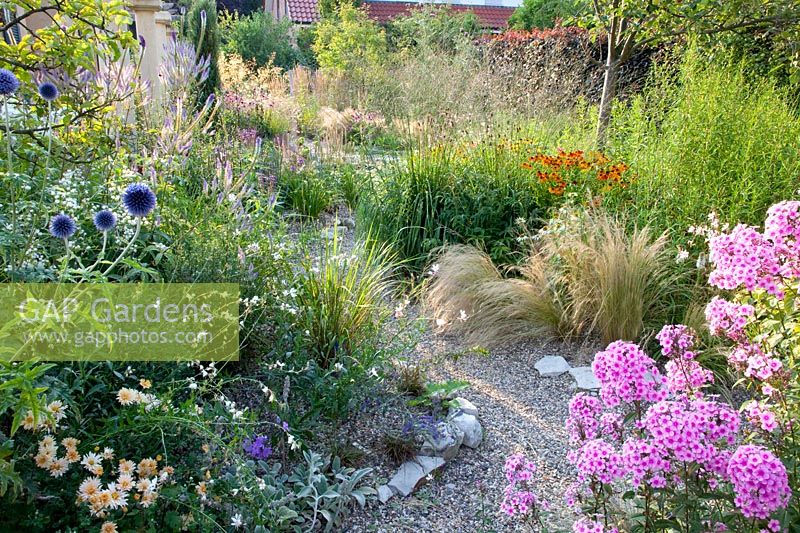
x=48, y=91
x=139, y=200
x=62, y=226
x=8, y=82
x=105, y=220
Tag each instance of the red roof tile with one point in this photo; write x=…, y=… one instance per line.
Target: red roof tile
x=303, y=11
x=494, y=17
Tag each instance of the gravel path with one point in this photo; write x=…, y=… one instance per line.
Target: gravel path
x=520, y=413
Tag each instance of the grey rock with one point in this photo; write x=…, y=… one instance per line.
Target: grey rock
x=585, y=378
x=348, y=222
x=445, y=443
x=385, y=493
x=551, y=366
x=471, y=427
x=337, y=231
x=412, y=474
x=465, y=406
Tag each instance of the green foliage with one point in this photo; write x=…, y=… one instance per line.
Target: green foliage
x=305, y=42
x=340, y=298
x=201, y=28
x=434, y=28
x=545, y=13
x=327, y=488
x=707, y=138
x=307, y=191
x=259, y=37
x=331, y=8
x=454, y=194
x=349, y=42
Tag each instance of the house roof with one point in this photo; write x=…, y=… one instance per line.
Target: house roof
x=303, y=11
x=494, y=17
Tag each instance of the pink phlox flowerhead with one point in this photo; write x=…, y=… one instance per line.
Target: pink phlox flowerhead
x=645, y=462
x=782, y=227
x=760, y=415
x=582, y=423
x=677, y=340
x=586, y=525
x=760, y=482
x=745, y=258
x=598, y=459
x=627, y=374
x=692, y=430
x=728, y=318
x=687, y=376
x=519, y=468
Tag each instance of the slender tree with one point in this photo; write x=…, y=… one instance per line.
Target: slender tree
x=632, y=25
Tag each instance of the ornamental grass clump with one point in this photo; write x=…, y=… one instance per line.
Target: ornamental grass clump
x=586, y=275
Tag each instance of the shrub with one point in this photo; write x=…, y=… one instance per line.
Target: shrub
x=585, y=275
x=544, y=13
x=707, y=138
x=434, y=28
x=259, y=37
x=349, y=42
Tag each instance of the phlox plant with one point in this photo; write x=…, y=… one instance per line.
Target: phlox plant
x=656, y=451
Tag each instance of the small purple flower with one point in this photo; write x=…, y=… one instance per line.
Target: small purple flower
x=105, y=220
x=48, y=91
x=203, y=17
x=139, y=200
x=259, y=448
x=142, y=42
x=285, y=426
x=8, y=82
x=62, y=226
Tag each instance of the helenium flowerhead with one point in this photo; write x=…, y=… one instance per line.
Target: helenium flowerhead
x=48, y=91
x=105, y=220
x=8, y=82
x=139, y=200
x=62, y=226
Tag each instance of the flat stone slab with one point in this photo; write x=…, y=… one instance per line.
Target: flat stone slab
x=464, y=405
x=551, y=366
x=385, y=493
x=585, y=378
x=412, y=474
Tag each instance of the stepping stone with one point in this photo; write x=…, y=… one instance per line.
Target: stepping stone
x=385, y=493
x=412, y=474
x=585, y=378
x=551, y=366
x=464, y=405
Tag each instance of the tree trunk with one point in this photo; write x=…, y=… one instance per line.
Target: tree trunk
x=609, y=92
